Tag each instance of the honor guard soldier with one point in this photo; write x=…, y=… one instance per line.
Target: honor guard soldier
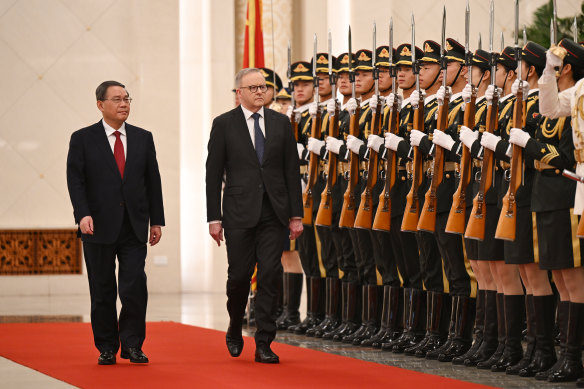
x=561, y=94
x=282, y=101
x=274, y=83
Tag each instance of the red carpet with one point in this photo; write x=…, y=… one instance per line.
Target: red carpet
x=184, y=356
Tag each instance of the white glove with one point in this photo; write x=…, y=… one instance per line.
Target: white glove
x=351, y=106
x=300, y=148
x=391, y=98
x=315, y=145
x=551, y=62
x=468, y=136
x=330, y=107
x=333, y=145
x=441, y=139
x=440, y=95
x=374, y=142
x=490, y=92
x=392, y=140
x=289, y=111
x=518, y=137
x=313, y=108
x=414, y=98
x=373, y=103
x=354, y=144
x=466, y=93
x=490, y=141
x=415, y=137
x=515, y=87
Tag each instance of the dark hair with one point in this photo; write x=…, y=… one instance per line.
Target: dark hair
x=538, y=69
x=577, y=73
x=101, y=91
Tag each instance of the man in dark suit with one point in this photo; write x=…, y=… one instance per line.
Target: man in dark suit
x=256, y=149
x=115, y=198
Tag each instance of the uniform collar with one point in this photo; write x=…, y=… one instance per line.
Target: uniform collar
x=247, y=113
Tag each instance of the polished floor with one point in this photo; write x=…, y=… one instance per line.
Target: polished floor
x=208, y=310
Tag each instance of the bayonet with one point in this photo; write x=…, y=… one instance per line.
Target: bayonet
x=555, y=20
x=314, y=76
x=518, y=53
x=502, y=42
x=552, y=33
x=575, y=29
x=374, y=51
x=467, y=52
x=351, y=72
x=524, y=35
x=290, y=83
x=443, y=64
x=392, y=70
x=480, y=45
x=332, y=76
x=415, y=67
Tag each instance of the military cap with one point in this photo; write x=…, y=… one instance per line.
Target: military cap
x=301, y=71
x=534, y=54
x=575, y=53
x=404, y=54
x=431, y=52
x=269, y=77
x=481, y=59
x=322, y=63
x=507, y=58
x=342, y=63
x=454, y=51
x=382, y=56
x=284, y=94
x=363, y=60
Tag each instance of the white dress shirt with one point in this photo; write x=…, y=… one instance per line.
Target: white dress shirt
x=250, y=122
x=111, y=138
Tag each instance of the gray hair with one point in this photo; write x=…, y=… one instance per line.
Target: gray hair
x=244, y=72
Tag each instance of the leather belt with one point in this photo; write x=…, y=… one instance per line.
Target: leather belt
x=579, y=155
x=449, y=166
x=476, y=163
x=504, y=165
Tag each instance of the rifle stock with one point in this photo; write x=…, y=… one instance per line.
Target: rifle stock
x=476, y=222
x=457, y=216
x=364, y=218
x=506, y=227
x=412, y=210
x=324, y=216
x=580, y=230
x=347, y=219
x=427, y=220
x=312, y=172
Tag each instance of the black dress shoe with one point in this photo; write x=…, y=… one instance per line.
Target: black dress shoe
x=234, y=342
x=264, y=354
x=107, y=357
x=135, y=355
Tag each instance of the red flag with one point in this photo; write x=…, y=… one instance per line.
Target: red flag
x=253, y=51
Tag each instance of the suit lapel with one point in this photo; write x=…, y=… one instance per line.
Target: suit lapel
x=269, y=128
x=131, y=145
x=243, y=129
x=103, y=145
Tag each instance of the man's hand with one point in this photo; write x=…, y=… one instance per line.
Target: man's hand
x=296, y=228
x=86, y=225
x=155, y=234
x=216, y=232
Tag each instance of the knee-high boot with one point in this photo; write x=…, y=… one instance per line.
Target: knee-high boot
x=383, y=322
x=486, y=364
x=363, y=327
x=490, y=343
x=315, y=307
x=478, y=329
x=292, y=293
x=392, y=317
x=529, y=338
x=514, y=314
x=462, y=340
x=352, y=312
x=544, y=355
x=436, y=325
x=450, y=327
x=563, y=311
x=416, y=322
x=571, y=366
x=332, y=319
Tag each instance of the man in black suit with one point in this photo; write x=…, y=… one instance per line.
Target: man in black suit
x=115, y=198
x=256, y=149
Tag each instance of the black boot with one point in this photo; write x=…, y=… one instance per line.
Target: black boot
x=571, y=367
x=417, y=320
x=478, y=329
x=405, y=320
x=563, y=311
x=344, y=302
x=514, y=318
x=436, y=329
x=363, y=327
x=383, y=322
x=529, y=338
x=373, y=319
x=332, y=319
x=493, y=345
x=545, y=354
x=292, y=295
x=462, y=340
x=393, y=317
x=352, y=313
x=433, y=354
x=315, y=311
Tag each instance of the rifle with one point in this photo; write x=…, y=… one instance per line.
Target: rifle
x=577, y=178
x=412, y=210
x=382, y=221
x=506, y=227
x=476, y=223
x=324, y=216
x=347, y=219
x=293, y=120
x=457, y=216
x=427, y=220
x=364, y=217
x=313, y=163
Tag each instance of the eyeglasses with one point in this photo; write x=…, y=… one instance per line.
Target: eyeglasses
x=117, y=100
x=254, y=88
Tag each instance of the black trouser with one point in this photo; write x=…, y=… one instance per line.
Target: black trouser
x=100, y=260
x=385, y=261
x=245, y=247
x=345, y=253
x=430, y=262
x=406, y=254
x=308, y=252
x=452, y=252
x=328, y=252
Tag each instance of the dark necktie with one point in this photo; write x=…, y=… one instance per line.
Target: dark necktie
x=259, y=136
x=119, y=153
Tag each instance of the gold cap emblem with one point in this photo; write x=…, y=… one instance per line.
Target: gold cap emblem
x=449, y=46
x=322, y=60
x=345, y=59
x=264, y=73
x=300, y=68
x=384, y=53
x=428, y=48
x=405, y=52
x=363, y=57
